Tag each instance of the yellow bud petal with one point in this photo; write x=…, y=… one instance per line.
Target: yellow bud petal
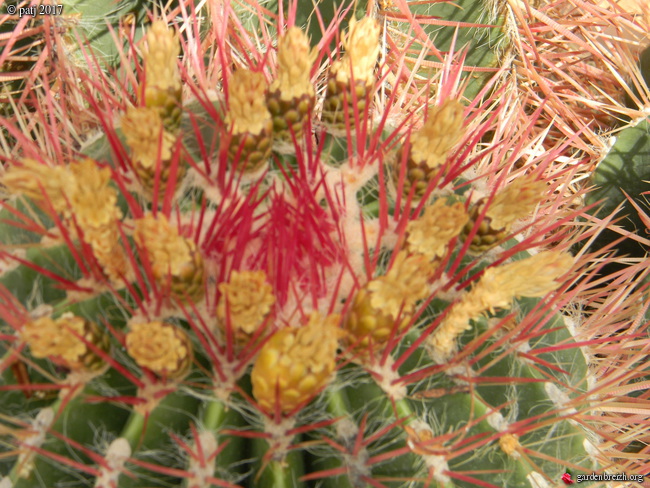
x=517, y=200
x=295, y=363
x=161, y=347
x=429, y=234
x=60, y=340
x=248, y=297
x=161, y=57
x=361, y=46
x=294, y=65
x=441, y=131
x=247, y=110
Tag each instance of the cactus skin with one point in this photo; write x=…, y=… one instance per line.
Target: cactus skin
x=480, y=27
x=26, y=48
x=621, y=178
x=644, y=71
x=477, y=25
x=625, y=170
x=433, y=418
x=29, y=57
x=91, y=21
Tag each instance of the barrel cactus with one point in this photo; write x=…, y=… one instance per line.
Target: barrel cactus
x=36, y=36
x=621, y=180
x=279, y=280
x=26, y=29
x=424, y=33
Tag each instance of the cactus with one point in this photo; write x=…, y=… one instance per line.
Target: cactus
x=19, y=51
x=619, y=182
x=477, y=28
x=37, y=36
x=26, y=52
x=420, y=35
x=244, y=286
x=621, y=178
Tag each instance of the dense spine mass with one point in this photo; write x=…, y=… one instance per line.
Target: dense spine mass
x=278, y=265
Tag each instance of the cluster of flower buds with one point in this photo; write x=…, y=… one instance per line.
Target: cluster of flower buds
x=256, y=126
x=516, y=201
x=152, y=128
x=82, y=195
x=161, y=347
x=351, y=79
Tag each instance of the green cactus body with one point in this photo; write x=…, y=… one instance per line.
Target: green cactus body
x=477, y=26
x=422, y=33
x=90, y=21
x=23, y=33
x=248, y=369
x=624, y=173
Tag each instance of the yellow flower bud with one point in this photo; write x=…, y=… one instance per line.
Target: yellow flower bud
x=517, y=200
x=295, y=364
x=60, y=340
x=361, y=46
x=176, y=262
x=294, y=65
x=290, y=99
x=441, y=131
x=163, y=89
x=430, y=234
x=403, y=285
x=509, y=443
x=151, y=147
x=429, y=147
x=161, y=57
x=351, y=79
x=248, y=298
x=94, y=201
x=250, y=121
x=146, y=137
x=247, y=110
x=82, y=193
x=532, y=277
x=383, y=300
x=32, y=178
x=161, y=347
